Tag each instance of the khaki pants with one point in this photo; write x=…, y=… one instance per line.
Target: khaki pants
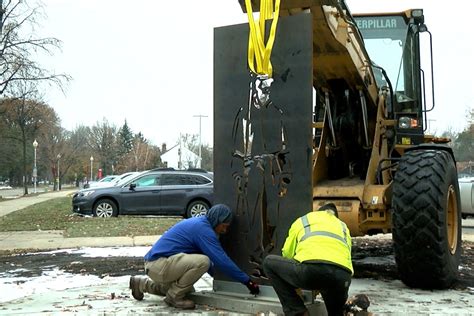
x=175, y=275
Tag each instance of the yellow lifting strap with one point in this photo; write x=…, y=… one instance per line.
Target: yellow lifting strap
x=258, y=52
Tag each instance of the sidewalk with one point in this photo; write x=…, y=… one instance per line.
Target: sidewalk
x=53, y=239
x=25, y=201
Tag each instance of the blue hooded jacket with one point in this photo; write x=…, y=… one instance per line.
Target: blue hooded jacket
x=197, y=236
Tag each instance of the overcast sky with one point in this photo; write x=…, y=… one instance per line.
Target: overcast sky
x=151, y=62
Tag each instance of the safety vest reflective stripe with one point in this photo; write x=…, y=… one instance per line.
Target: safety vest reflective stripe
x=344, y=231
x=327, y=234
x=308, y=233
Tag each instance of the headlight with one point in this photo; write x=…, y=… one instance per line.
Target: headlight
x=404, y=122
x=87, y=193
x=417, y=13
x=407, y=122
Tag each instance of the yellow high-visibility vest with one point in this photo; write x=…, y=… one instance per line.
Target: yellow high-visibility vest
x=319, y=236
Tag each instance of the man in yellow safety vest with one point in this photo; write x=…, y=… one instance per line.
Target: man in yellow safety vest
x=316, y=256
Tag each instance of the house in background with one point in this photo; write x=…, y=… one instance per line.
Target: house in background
x=180, y=157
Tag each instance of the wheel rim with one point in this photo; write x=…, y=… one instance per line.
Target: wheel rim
x=452, y=219
x=198, y=210
x=104, y=210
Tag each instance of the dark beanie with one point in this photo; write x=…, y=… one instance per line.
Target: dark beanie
x=218, y=214
x=331, y=207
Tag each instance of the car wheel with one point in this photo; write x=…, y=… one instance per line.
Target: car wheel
x=197, y=208
x=105, y=208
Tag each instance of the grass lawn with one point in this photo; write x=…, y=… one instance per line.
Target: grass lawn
x=56, y=214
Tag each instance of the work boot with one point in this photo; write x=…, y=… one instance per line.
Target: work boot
x=179, y=302
x=135, y=287
x=160, y=289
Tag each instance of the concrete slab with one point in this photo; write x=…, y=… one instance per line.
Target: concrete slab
x=246, y=303
x=233, y=296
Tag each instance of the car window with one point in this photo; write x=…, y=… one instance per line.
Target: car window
x=183, y=179
x=171, y=179
x=200, y=180
x=107, y=179
x=148, y=180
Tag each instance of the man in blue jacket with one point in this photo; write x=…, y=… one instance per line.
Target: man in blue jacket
x=183, y=254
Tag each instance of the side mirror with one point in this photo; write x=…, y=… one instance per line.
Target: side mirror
x=132, y=186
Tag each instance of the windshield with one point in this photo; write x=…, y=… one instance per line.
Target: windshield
x=107, y=179
x=127, y=180
x=123, y=178
x=390, y=44
x=393, y=46
x=384, y=39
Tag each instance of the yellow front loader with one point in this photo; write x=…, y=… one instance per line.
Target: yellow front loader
x=371, y=154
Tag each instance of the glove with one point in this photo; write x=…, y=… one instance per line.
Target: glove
x=253, y=287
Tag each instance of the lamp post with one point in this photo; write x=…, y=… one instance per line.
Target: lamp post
x=35, y=172
x=57, y=179
x=200, y=142
x=92, y=160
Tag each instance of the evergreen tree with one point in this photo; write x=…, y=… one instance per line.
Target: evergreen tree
x=125, y=139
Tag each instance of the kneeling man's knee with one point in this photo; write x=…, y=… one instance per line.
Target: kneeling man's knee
x=204, y=262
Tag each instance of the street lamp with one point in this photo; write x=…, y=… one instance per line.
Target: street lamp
x=35, y=172
x=57, y=179
x=200, y=117
x=92, y=160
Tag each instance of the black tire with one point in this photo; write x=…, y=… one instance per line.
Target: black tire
x=197, y=208
x=105, y=208
x=427, y=219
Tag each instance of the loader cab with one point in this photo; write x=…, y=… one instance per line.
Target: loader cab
x=392, y=42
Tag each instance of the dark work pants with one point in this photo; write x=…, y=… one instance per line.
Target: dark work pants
x=287, y=275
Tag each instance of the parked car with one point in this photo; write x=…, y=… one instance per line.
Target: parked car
x=105, y=181
x=110, y=181
x=466, y=190
x=119, y=179
x=156, y=192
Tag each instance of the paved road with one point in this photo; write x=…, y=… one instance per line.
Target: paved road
x=468, y=226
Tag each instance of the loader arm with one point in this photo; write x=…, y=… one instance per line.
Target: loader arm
x=338, y=49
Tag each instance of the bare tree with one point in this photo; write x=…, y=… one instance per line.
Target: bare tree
x=103, y=143
x=24, y=118
x=18, y=45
